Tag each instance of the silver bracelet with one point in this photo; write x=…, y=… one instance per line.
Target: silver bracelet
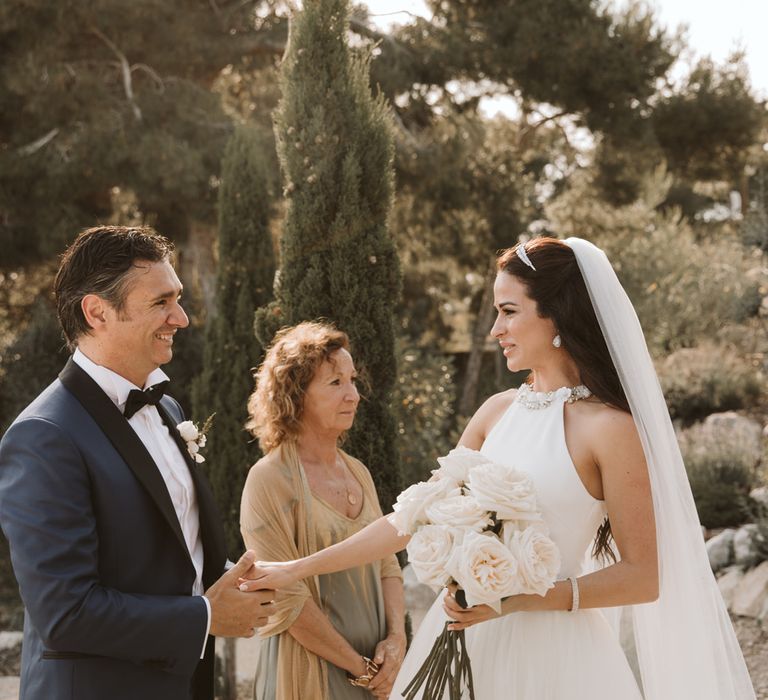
x=575, y=594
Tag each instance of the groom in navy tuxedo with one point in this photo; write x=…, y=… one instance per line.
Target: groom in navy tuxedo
x=115, y=539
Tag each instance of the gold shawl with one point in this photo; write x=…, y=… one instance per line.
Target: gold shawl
x=276, y=501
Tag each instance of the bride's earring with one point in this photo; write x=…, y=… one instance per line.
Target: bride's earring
x=556, y=341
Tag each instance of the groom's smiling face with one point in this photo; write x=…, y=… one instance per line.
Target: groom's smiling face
x=138, y=338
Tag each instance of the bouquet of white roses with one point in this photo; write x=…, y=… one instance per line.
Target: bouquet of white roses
x=477, y=524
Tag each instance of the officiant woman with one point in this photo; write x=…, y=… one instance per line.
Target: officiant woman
x=339, y=636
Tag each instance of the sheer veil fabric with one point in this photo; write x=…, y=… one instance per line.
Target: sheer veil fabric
x=686, y=645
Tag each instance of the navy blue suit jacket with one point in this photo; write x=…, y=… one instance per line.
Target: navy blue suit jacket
x=96, y=546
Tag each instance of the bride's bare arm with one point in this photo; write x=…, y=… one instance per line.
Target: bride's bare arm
x=374, y=542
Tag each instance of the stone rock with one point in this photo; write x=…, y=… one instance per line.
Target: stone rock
x=751, y=593
x=763, y=616
x=9, y=688
x=8, y=640
x=418, y=597
x=744, y=549
x=748, y=430
x=720, y=549
x=760, y=494
x=729, y=582
x=417, y=594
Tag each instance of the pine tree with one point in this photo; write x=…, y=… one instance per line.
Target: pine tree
x=338, y=260
x=246, y=272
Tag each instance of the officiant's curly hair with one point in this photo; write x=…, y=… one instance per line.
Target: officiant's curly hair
x=560, y=293
x=100, y=261
x=276, y=406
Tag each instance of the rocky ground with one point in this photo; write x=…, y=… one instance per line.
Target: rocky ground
x=754, y=643
x=752, y=637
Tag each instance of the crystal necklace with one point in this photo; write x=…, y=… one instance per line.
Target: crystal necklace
x=541, y=399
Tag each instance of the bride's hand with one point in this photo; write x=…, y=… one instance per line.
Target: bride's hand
x=465, y=617
x=269, y=574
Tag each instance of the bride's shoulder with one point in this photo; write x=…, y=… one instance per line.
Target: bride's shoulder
x=498, y=403
x=607, y=423
x=486, y=417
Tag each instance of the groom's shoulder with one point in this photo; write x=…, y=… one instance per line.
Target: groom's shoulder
x=52, y=401
x=53, y=405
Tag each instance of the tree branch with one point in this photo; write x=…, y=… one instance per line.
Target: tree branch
x=126, y=69
x=36, y=145
x=151, y=73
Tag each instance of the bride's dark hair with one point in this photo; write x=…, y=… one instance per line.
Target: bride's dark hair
x=560, y=294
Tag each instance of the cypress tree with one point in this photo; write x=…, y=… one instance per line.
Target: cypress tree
x=246, y=273
x=338, y=260
x=31, y=362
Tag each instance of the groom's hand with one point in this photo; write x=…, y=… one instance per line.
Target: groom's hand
x=235, y=613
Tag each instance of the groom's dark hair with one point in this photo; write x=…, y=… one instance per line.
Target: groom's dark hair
x=100, y=262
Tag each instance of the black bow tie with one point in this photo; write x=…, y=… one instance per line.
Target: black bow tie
x=138, y=398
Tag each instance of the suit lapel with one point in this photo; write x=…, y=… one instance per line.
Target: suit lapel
x=211, y=532
x=124, y=439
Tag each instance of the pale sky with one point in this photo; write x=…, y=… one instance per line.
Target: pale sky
x=714, y=28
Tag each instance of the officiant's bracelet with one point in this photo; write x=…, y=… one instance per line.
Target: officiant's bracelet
x=575, y=593
x=363, y=681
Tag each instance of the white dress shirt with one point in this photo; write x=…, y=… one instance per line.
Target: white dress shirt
x=164, y=451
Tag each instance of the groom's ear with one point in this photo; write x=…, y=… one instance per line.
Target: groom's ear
x=94, y=310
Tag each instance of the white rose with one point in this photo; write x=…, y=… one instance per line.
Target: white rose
x=458, y=511
x=510, y=526
x=538, y=559
x=428, y=553
x=457, y=463
x=504, y=490
x=409, y=511
x=188, y=431
x=484, y=568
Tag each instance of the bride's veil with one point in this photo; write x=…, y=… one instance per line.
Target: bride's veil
x=685, y=641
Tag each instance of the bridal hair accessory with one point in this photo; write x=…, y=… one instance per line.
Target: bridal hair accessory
x=575, y=593
x=520, y=250
x=557, y=341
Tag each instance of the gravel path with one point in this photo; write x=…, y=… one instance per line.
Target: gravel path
x=754, y=643
x=752, y=637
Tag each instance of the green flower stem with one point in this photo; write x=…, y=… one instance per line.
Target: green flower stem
x=447, y=665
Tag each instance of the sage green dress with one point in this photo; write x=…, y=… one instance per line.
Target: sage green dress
x=352, y=599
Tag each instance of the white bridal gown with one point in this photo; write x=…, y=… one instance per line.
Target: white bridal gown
x=548, y=655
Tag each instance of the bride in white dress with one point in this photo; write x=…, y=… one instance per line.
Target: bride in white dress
x=592, y=430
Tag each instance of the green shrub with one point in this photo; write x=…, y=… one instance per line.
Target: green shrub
x=721, y=457
x=683, y=288
x=708, y=379
x=31, y=362
x=423, y=407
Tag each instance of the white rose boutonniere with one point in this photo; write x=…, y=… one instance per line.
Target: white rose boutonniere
x=194, y=437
